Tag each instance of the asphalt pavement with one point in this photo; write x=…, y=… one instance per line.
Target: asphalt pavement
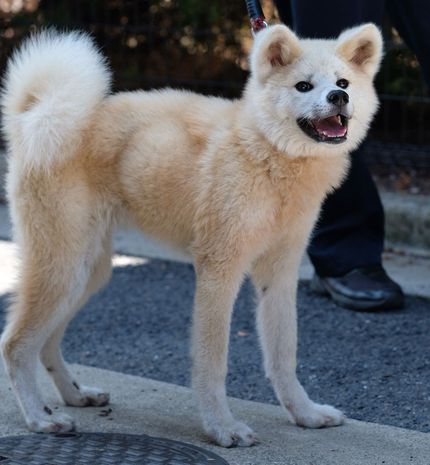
x=375, y=367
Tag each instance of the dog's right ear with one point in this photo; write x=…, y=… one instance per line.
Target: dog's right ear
x=274, y=48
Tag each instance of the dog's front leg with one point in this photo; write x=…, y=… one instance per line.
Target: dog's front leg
x=215, y=294
x=275, y=276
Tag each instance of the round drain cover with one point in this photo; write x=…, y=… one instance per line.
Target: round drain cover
x=101, y=449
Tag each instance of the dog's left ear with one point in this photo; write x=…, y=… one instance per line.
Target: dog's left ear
x=274, y=48
x=361, y=46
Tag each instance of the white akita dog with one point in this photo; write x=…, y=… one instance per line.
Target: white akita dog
x=236, y=184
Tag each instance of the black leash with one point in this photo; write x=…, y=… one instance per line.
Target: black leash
x=256, y=16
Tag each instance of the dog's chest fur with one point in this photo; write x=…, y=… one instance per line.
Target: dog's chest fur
x=276, y=198
x=304, y=182
x=301, y=184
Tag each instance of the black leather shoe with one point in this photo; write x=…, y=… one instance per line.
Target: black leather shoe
x=363, y=289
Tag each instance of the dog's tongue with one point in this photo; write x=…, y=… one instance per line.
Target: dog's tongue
x=330, y=127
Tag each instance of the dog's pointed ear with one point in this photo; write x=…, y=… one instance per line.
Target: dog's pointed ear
x=274, y=48
x=361, y=46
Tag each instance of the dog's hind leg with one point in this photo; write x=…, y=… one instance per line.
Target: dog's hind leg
x=54, y=276
x=275, y=276
x=73, y=393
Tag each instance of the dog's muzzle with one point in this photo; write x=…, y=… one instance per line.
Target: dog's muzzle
x=332, y=129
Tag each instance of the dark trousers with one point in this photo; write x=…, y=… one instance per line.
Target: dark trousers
x=350, y=231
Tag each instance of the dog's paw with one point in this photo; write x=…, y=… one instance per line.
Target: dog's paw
x=85, y=396
x=50, y=423
x=232, y=434
x=317, y=416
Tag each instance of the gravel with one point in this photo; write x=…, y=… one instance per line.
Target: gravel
x=375, y=367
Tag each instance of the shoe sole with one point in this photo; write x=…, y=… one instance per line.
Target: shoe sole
x=319, y=287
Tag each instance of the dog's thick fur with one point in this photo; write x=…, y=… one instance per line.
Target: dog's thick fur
x=237, y=184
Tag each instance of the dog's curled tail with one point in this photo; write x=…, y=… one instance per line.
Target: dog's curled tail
x=52, y=86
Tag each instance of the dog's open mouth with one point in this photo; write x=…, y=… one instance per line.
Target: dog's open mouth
x=332, y=129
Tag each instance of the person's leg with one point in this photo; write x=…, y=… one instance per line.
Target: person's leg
x=319, y=19
x=350, y=232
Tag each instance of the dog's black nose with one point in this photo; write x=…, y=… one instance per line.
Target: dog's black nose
x=338, y=97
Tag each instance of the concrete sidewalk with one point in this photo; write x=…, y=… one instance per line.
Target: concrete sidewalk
x=159, y=409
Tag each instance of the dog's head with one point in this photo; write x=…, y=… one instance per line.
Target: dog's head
x=314, y=97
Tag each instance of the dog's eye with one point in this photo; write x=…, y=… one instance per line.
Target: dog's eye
x=304, y=86
x=342, y=83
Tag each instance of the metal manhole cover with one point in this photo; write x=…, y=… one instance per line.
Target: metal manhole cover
x=101, y=449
